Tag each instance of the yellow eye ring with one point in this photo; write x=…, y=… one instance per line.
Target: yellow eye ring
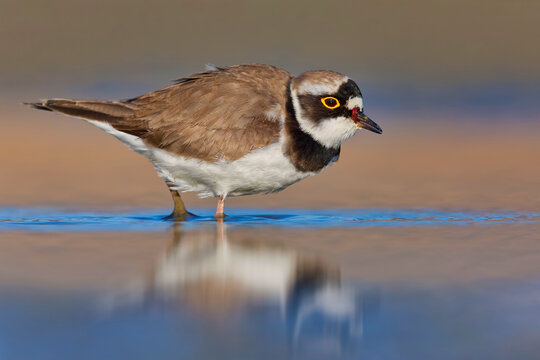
x=330, y=102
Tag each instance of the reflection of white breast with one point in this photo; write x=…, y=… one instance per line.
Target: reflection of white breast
x=260, y=272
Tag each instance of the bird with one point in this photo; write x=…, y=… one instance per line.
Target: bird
x=232, y=131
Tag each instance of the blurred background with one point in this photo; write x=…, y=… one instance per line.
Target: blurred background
x=455, y=86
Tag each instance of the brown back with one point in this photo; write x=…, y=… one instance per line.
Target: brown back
x=221, y=114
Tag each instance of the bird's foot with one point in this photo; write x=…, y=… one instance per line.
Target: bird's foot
x=179, y=212
x=220, y=216
x=179, y=216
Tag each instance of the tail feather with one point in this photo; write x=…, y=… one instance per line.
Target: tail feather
x=38, y=106
x=108, y=111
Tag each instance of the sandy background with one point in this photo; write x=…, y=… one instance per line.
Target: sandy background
x=455, y=86
x=420, y=161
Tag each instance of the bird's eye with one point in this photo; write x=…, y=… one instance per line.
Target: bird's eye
x=330, y=102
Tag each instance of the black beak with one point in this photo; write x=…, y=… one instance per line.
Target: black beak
x=364, y=122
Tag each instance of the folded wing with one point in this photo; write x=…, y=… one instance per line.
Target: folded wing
x=220, y=114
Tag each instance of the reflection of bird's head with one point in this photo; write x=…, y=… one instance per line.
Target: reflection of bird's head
x=318, y=300
x=329, y=107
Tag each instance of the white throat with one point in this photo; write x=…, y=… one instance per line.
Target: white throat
x=329, y=132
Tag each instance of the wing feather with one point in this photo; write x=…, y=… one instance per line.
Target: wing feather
x=219, y=114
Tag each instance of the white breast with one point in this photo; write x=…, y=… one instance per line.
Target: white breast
x=264, y=170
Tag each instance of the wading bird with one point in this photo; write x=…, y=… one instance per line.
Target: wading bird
x=233, y=131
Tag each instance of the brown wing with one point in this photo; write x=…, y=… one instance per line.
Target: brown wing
x=221, y=114
x=213, y=115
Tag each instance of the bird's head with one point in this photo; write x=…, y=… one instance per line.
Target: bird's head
x=329, y=107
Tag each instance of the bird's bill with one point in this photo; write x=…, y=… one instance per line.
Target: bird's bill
x=364, y=122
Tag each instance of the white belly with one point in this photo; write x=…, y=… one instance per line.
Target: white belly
x=261, y=171
x=264, y=170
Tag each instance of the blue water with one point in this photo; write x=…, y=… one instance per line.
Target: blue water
x=57, y=219
x=269, y=284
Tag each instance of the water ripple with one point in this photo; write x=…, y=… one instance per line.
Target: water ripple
x=57, y=219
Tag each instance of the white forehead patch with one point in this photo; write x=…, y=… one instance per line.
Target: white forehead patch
x=355, y=102
x=319, y=87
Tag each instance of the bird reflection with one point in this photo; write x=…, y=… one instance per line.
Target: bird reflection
x=215, y=275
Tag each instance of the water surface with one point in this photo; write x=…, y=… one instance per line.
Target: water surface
x=56, y=219
x=266, y=284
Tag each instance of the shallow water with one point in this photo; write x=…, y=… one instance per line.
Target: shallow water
x=153, y=220
x=292, y=283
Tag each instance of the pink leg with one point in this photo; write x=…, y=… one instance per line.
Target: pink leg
x=220, y=207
